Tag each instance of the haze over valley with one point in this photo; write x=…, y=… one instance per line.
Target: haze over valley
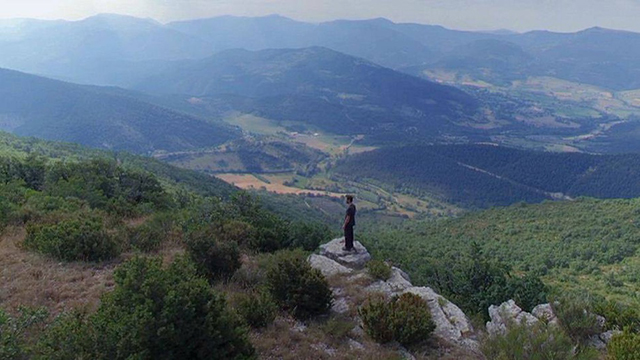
x=147, y=165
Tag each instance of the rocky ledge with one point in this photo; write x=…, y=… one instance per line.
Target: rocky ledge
x=452, y=325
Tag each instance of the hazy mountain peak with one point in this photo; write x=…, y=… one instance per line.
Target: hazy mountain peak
x=120, y=22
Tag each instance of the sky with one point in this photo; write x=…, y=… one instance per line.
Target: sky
x=518, y=15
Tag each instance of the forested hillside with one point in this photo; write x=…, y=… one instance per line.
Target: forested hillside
x=485, y=175
x=585, y=246
x=101, y=118
x=321, y=89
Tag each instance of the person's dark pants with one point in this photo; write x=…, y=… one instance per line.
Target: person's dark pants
x=348, y=237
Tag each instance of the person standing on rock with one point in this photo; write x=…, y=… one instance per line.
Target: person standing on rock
x=349, y=223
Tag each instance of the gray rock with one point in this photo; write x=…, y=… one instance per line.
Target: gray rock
x=505, y=315
x=601, y=321
x=354, y=345
x=544, y=312
x=340, y=306
x=596, y=342
x=381, y=287
x=606, y=336
x=327, y=266
x=452, y=325
x=325, y=348
x=396, y=284
x=399, y=280
x=353, y=259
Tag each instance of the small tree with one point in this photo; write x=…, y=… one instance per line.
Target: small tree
x=299, y=288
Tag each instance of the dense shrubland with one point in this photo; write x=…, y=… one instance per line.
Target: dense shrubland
x=97, y=209
x=587, y=245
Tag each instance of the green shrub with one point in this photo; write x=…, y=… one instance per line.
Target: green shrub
x=82, y=237
x=150, y=235
x=376, y=314
x=251, y=275
x=405, y=319
x=618, y=315
x=215, y=259
x=576, y=317
x=298, y=287
x=625, y=346
x=13, y=330
x=257, y=309
x=379, y=269
x=338, y=328
x=527, y=291
x=308, y=236
x=153, y=313
x=70, y=336
x=537, y=342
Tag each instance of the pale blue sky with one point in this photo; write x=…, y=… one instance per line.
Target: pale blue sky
x=520, y=15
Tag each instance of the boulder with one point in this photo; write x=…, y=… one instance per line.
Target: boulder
x=544, y=312
x=340, y=306
x=327, y=266
x=352, y=259
x=506, y=314
x=606, y=336
x=396, y=284
x=452, y=325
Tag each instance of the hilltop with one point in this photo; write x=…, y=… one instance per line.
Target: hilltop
x=98, y=117
x=318, y=88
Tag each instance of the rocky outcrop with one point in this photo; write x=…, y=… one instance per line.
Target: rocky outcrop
x=396, y=284
x=505, y=315
x=508, y=313
x=452, y=325
x=545, y=312
x=354, y=259
x=327, y=266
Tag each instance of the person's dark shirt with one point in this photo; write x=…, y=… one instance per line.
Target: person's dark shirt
x=351, y=213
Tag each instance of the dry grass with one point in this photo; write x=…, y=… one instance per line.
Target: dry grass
x=287, y=339
x=250, y=182
x=33, y=280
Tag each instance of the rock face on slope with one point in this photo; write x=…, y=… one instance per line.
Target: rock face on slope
x=353, y=259
x=452, y=325
x=509, y=313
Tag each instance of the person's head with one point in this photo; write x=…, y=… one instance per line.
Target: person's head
x=349, y=199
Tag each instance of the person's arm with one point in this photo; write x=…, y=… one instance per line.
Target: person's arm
x=347, y=220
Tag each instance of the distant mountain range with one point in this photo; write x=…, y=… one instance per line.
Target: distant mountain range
x=119, y=50
x=319, y=88
x=98, y=117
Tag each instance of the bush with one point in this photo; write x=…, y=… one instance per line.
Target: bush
x=527, y=291
x=214, y=259
x=405, y=319
x=70, y=336
x=251, y=275
x=576, y=317
x=379, y=269
x=150, y=235
x=257, y=309
x=297, y=287
x=13, y=332
x=82, y=237
x=537, y=342
x=618, y=315
x=625, y=346
x=308, y=236
x=153, y=313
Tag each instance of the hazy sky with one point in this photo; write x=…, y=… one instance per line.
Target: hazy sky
x=520, y=15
